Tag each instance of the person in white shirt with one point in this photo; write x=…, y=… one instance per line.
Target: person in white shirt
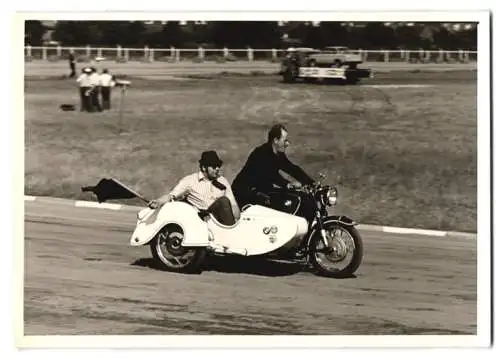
x=206, y=190
x=106, y=83
x=95, y=81
x=85, y=86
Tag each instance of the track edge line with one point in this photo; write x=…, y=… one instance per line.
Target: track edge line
x=367, y=227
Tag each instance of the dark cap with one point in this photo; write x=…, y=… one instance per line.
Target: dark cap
x=209, y=158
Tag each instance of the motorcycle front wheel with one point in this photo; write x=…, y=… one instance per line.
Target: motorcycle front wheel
x=170, y=255
x=343, y=255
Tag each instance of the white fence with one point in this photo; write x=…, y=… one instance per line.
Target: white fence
x=119, y=54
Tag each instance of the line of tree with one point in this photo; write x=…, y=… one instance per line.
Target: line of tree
x=254, y=34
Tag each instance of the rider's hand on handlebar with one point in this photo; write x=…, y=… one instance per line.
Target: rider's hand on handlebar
x=294, y=185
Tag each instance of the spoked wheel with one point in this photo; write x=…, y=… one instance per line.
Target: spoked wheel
x=170, y=255
x=343, y=255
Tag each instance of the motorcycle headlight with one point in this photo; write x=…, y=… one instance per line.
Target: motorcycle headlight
x=332, y=196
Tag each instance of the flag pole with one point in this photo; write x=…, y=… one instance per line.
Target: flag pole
x=131, y=190
x=120, y=115
x=123, y=86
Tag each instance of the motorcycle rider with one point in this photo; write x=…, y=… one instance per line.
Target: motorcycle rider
x=261, y=171
x=206, y=190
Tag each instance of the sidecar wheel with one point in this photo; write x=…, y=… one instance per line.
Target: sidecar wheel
x=344, y=255
x=170, y=255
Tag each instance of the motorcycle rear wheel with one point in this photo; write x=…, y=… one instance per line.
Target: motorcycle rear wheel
x=168, y=253
x=325, y=261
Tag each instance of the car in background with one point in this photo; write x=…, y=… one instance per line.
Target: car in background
x=333, y=62
x=334, y=56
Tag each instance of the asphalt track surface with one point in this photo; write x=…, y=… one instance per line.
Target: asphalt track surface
x=82, y=277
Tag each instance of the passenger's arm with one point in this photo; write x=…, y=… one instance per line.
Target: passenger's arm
x=179, y=191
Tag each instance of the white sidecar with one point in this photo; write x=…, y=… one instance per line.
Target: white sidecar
x=180, y=236
x=259, y=230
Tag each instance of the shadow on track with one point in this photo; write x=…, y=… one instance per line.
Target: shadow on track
x=254, y=266
x=259, y=267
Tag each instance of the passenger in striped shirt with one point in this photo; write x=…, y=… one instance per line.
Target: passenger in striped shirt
x=206, y=190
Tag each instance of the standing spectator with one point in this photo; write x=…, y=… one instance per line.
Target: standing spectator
x=96, y=89
x=85, y=84
x=71, y=59
x=106, y=83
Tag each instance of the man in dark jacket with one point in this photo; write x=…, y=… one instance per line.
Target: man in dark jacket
x=261, y=171
x=71, y=60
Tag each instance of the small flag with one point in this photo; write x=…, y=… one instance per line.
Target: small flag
x=110, y=188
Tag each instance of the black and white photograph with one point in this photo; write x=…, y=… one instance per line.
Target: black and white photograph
x=299, y=175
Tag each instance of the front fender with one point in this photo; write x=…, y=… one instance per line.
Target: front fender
x=340, y=219
x=329, y=219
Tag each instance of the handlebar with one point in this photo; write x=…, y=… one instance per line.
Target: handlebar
x=309, y=188
x=315, y=186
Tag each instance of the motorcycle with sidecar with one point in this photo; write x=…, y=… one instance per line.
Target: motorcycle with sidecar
x=287, y=224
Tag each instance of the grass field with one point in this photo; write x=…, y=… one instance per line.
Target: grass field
x=45, y=68
x=399, y=156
